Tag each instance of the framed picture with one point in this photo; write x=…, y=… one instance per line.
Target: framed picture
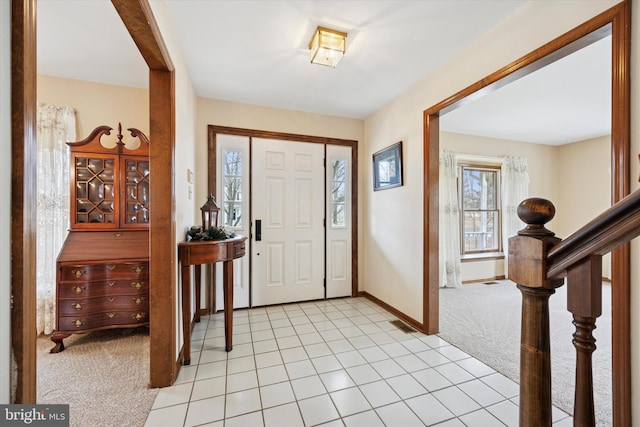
x=387, y=167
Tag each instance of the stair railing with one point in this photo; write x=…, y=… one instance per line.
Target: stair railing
x=538, y=263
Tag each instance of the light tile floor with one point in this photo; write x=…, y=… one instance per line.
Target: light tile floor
x=332, y=363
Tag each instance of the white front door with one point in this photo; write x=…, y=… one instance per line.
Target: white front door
x=232, y=180
x=288, y=196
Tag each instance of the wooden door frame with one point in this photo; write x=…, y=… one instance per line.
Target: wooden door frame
x=138, y=18
x=619, y=19
x=23, y=193
x=213, y=130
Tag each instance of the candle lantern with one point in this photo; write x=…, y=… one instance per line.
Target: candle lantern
x=209, y=213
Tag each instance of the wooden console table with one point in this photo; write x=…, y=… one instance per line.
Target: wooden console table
x=201, y=252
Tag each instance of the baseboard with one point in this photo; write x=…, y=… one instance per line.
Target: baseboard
x=419, y=327
x=488, y=279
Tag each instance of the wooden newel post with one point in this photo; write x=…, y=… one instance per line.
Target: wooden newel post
x=528, y=268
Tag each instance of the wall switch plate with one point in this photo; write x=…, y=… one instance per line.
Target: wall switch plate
x=189, y=176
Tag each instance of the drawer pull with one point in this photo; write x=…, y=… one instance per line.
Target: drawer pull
x=111, y=283
x=138, y=300
x=111, y=299
x=77, y=306
x=137, y=269
x=77, y=289
x=110, y=315
x=111, y=267
x=137, y=285
x=138, y=316
x=77, y=323
x=77, y=273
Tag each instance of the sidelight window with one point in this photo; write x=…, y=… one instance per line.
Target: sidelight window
x=232, y=182
x=338, y=193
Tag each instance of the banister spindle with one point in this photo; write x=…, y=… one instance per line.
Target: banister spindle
x=584, y=301
x=527, y=267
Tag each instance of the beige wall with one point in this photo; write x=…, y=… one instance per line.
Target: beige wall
x=393, y=263
x=97, y=104
x=223, y=113
x=584, y=187
x=584, y=183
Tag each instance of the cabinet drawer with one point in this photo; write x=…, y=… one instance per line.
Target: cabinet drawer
x=101, y=288
x=83, y=273
x=238, y=249
x=97, y=320
x=79, y=307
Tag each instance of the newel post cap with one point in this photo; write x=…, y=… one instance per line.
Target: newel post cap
x=536, y=212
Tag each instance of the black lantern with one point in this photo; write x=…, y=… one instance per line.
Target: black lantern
x=209, y=213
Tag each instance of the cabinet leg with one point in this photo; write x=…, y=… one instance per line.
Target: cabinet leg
x=57, y=338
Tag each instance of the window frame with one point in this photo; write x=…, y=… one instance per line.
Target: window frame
x=497, y=251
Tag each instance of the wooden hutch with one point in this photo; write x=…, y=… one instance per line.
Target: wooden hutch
x=102, y=269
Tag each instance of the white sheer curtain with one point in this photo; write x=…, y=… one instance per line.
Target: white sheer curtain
x=515, y=188
x=449, y=221
x=56, y=126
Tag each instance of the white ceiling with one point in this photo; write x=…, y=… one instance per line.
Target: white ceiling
x=256, y=52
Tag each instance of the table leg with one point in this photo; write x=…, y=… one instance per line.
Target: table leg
x=198, y=291
x=227, y=267
x=186, y=312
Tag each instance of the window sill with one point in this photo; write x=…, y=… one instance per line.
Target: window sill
x=485, y=256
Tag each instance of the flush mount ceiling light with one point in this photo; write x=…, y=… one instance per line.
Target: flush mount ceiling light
x=327, y=47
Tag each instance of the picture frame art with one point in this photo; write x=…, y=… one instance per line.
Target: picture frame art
x=387, y=167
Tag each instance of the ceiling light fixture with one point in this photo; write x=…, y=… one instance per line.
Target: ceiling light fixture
x=327, y=47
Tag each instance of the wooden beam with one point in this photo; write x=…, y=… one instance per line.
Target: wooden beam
x=23, y=196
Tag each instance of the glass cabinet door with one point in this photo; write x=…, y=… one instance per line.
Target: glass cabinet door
x=94, y=202
x=136, y=192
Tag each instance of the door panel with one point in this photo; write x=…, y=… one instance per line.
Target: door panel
x=338, y=205
x=288, y=197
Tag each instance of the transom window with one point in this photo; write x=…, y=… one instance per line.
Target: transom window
x=479, y=192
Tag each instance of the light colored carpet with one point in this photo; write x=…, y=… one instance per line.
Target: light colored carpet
x=103, y=376
x=484, y=321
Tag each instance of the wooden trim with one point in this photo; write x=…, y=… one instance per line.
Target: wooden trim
x=162, y=230
x=213, y=130
x=23, y=193
x=616, y=21
x=139, y=21
x=431, y=188
x=620, y=187
x=254, y=133
x=138, y=17
x=400, y=315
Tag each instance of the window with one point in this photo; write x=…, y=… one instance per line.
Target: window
x=232, y=181
x=338, y=193
x=479, y=191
